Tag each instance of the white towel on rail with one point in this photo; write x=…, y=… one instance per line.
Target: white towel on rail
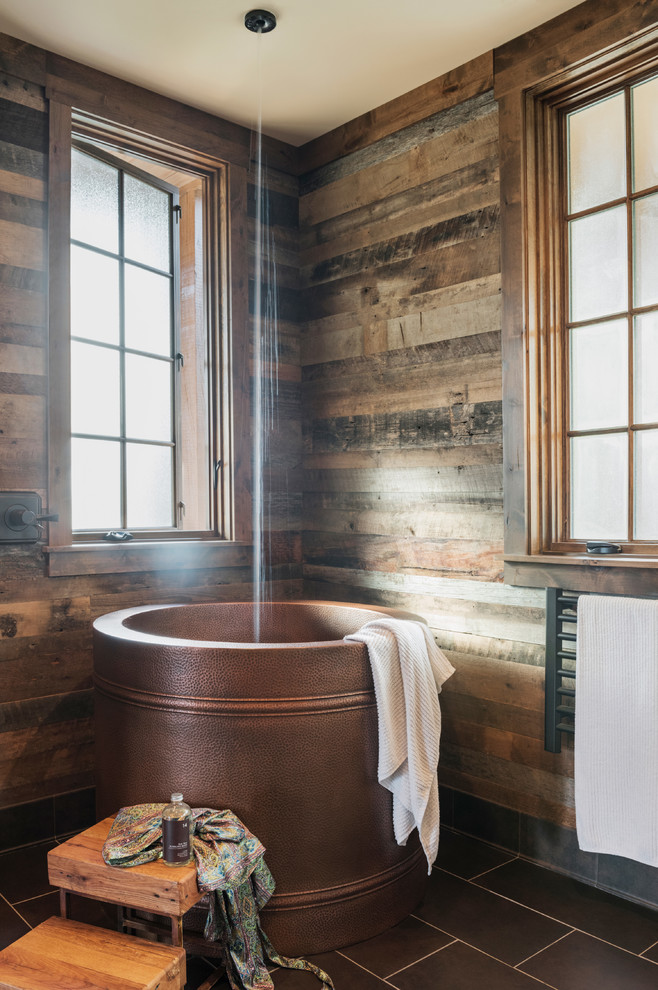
x=408, y=670
x=616, y=740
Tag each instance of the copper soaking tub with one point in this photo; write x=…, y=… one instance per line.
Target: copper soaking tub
x=282, y=732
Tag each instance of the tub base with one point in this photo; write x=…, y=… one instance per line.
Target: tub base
x=284, y=734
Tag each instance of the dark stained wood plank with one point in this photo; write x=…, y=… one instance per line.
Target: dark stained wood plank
x=472, y=186
x=457, y=147
x=452, y=265
x=17, y=715
x=21, y=209
x=15, y=158
x=23, y=126
x=24, y=61
x=37, y=762
x=21, y=91
x=398, y=144
x=479, y=422
x=424, y=240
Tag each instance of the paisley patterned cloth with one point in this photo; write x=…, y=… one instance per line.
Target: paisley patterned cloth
x=231, y=869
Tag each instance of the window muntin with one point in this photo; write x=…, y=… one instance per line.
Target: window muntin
x=610, y=351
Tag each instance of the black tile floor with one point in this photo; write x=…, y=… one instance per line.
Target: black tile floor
x=489, y=921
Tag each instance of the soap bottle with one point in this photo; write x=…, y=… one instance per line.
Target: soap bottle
x=177, y=832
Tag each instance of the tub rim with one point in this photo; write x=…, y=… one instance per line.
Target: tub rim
x=114, y=624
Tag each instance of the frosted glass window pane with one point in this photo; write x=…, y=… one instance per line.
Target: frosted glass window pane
x=599, y=487
x=148, y=398
x=94, y=202
x=94, y=296
x=597, y=154
x=646, y=368
x=95, y=390
x=599, y=376
x=645, y=134
x=645, y=245
x=598, y=264
x=646, y=485
x=95, y=484
x=150, y=486
x=148, y=311
x=147, y=212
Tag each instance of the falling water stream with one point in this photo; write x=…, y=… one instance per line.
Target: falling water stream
x=265, y=371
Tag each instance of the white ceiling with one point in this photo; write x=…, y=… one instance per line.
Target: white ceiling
x=326, y=62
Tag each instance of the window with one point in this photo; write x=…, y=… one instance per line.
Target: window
x=578, y=104
x=610, y=326
x=148, y=358
x=138, y=347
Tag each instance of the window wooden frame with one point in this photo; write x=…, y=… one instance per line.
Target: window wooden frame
x=576, y=57
x=226, y=298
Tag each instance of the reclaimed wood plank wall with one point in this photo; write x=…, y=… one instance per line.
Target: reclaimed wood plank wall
x=46, y=705
x=401, y=371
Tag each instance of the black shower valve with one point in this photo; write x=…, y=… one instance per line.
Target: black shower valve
x=21, y=517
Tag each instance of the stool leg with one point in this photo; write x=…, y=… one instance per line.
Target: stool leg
x=64, y=903
x=176, y=931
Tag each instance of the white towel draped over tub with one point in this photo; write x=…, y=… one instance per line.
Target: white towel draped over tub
x=408, y=670
x=616, y=739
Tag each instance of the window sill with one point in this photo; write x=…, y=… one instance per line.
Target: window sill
x=615, y=574
x=152, y=555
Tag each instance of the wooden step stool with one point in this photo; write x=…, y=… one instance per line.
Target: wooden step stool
x=61, y=954
x=77, y=865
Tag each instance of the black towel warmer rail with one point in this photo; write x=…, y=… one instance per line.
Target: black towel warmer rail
x=560, y=690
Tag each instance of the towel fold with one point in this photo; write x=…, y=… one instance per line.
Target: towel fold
x=616, y=740
x=408, y=670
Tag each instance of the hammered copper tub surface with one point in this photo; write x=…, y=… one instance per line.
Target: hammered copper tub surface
x=282, y=732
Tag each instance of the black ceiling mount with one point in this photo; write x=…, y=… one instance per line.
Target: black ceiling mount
x=260, y=21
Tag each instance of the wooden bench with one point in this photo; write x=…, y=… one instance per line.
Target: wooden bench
x=77, y=865
x=60, y=954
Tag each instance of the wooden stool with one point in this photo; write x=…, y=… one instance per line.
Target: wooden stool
x=77, y=865
x=60, y=954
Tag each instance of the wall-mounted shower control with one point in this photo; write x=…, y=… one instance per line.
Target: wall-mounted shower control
x=21, y=517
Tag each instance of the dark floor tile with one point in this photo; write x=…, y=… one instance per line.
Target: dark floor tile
x=637, y=880
x=24, y=872
x=75, y=812
x=91, y=912
x=400, y=946
x=485, y=820
x=459, y=967
x=11, y=925
x=652, y=953
x=198, y=970
x=556, y=846
x=345, y=974
x=576, y=904
x=468, y=857
x=26, y=823
x=579, y=962
x=497, y=926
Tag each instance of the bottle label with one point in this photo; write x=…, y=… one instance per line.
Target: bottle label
x=175, y=840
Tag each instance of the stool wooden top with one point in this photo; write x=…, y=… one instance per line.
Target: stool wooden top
x=59, y=954
x=78, y=865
